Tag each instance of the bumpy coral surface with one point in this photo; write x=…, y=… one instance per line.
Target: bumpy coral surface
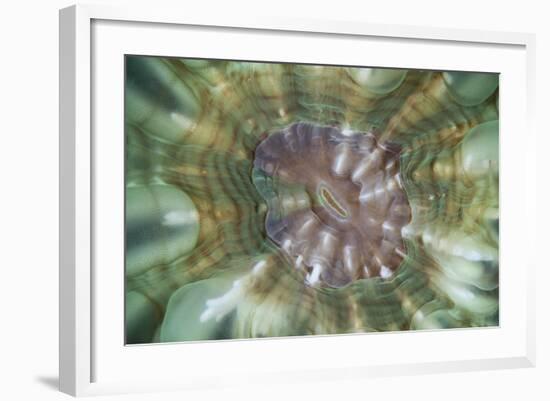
x=268, y=199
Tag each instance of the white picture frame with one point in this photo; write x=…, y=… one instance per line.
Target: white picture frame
x=93, y=361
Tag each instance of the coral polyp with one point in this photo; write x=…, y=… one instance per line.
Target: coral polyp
x=335, y=202
x=271, y=199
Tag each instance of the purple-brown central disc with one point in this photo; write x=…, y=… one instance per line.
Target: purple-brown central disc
x=335, y=201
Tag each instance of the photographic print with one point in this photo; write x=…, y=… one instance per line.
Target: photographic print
x=268, y=199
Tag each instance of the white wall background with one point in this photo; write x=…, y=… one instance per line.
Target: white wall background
x=29, y=215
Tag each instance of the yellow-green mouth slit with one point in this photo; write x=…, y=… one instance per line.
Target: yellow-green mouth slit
x=328, y=200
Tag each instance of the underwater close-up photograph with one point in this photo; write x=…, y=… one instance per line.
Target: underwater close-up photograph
x=277, y=199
